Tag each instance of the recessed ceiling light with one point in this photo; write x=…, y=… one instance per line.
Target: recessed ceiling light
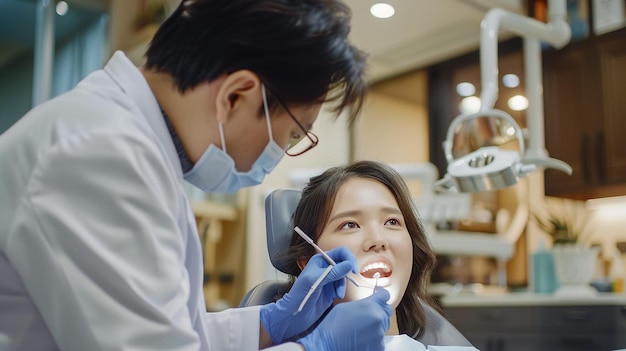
x=465, y=89
x=510, y=80
x=62, y=8
x=382, y=10
x=470, y=104
x=518, y=103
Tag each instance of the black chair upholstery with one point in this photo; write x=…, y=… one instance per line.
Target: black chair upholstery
x=266, y=292
x=279, y=207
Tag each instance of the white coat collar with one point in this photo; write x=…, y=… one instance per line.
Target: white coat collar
x=134, y=84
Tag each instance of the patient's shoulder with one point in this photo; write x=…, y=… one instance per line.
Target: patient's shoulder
x=402, y=342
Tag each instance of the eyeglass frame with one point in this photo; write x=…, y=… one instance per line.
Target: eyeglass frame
x=309, y=134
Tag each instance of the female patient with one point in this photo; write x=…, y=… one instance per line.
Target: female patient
x=366, y=207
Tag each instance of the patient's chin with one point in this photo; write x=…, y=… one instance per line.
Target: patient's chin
x=395, y=296
x=353, y=293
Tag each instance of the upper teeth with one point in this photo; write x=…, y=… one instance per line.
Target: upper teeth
x=376, y=265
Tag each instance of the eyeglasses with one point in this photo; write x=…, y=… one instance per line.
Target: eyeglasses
x=298, y=146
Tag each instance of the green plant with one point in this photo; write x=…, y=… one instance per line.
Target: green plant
x=565, y=221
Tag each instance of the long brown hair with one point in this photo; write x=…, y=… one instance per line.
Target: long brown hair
x=312, y=215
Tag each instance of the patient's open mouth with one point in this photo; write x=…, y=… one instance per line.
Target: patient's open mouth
x=377, y=267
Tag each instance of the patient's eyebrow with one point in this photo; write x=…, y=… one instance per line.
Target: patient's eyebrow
x=356, y=213
x=352, y=213
x=392, y=210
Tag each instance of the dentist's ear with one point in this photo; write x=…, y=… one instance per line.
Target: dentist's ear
x=302, y=263
x=240, y=90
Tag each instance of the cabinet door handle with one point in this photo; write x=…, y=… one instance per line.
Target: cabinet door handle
x=492, y=315
x=586, y=169
x=576, y=315
x=601, y=156
x=489, y=345
x=499, y=344
x=577, y=342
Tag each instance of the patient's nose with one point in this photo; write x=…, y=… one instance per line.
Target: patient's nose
x=375, y=240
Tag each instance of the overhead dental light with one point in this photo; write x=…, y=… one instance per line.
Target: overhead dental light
x=486, y=165
x=490, y=167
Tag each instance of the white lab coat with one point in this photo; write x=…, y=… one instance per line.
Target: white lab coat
x=404, y=342
x=98, y=246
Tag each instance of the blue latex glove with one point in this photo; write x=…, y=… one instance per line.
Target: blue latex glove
x=356, y=325
x=278, y=318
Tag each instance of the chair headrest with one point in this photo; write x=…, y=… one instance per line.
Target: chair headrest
x=280, y=205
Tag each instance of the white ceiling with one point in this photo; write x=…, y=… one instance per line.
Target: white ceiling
x=421, y=32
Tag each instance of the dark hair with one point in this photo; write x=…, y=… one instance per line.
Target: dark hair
x=298, y=48
x=312, y=215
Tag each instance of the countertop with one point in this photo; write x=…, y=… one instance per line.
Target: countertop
x=531, y=299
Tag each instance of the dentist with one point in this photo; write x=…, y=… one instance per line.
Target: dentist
x=98, y=243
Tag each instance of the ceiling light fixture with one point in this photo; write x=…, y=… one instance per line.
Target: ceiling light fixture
x=518, y=103
x=470, y=104
x=510, y=80
x=382, y=10
x=62, y=8
x=465, y=89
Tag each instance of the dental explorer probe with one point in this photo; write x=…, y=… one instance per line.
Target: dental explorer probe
x=328, y=259
x=322, y=252
x=312, y=289
x=331, y=263
x=376, y=276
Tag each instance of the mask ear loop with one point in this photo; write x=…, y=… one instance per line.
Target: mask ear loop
x=222, y=136
x=267, y=112
x=267, y=120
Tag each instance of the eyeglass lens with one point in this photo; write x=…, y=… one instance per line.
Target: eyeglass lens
x=301, y=145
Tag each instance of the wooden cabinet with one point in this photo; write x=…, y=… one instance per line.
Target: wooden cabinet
x=613, y=63
x=221, y=227
x=502, y=341
x=585, y=116
x=539, y=328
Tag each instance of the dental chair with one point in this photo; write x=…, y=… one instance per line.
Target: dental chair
x=280, y=205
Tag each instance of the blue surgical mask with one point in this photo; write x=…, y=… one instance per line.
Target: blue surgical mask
x=215, y=171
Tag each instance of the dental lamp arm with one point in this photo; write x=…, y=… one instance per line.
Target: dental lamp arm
x=556, y=32
x=529, y=165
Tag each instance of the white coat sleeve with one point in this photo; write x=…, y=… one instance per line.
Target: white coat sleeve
x=237, y=329
x=234, y=329
x=97, y=246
